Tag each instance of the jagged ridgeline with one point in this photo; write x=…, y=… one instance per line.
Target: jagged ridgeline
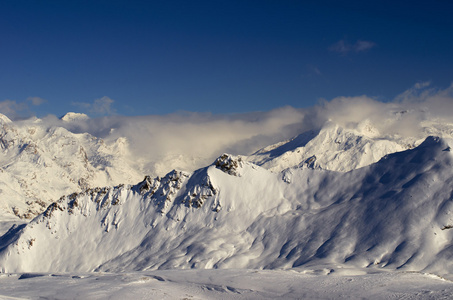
x=41, y=163
x=396, y=213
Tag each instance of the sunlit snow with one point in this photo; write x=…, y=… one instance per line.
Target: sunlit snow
x=337, y=212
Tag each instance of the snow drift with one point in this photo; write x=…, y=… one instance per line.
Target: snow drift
x=396, y=213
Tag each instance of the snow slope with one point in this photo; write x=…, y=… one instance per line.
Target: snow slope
x=42, y=162
x=343, y=148
x=394, y=214
x=332, y=148
x=225, y=284
x=39, y=164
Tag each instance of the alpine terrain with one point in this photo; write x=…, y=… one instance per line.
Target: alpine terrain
x=345, y=200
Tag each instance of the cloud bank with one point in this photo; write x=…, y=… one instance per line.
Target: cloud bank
x=407, y=115
x=188, y=140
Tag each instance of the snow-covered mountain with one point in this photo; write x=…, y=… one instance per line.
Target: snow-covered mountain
x=338, y=148
x=334, y=197
x=41, y=163
x=393, y=214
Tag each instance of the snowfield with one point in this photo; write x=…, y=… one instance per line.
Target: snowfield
x=334, y=213
x=226, y=284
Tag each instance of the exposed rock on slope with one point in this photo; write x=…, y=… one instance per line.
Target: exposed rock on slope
x=343, y=149
x=332, y=148
x=396, y=214
x=40, y=164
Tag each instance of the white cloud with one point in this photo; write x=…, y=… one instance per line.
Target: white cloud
x=343, y=47
x=340, y=47
x=36, y=100
x=179, y=139
x=191, y=140
x=416, y=93
x=404, y=116
x=14, y=110
x=193, y=137
x=360, y=46
x=316, y=70
x=100, y=107
x=19, y=109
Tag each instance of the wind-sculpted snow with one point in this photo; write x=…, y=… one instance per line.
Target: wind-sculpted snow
x=394, y=214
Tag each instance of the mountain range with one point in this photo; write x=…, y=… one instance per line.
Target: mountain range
x=333, y=197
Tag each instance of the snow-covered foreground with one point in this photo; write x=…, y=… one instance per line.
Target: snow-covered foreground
x=227, y=284
x=335, y=213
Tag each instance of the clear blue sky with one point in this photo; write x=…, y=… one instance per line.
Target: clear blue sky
x=158, y=57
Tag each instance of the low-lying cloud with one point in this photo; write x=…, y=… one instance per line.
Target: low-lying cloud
x=99, y=107
x=404, y=116
x=189, y=140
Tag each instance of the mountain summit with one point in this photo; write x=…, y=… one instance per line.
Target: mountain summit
x=41, y=163
x=392, y=214
x=71, y=117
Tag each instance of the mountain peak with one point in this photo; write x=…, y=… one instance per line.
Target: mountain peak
x=229, y=164
x=72, y=116
x=4, y=119
x=394, y=214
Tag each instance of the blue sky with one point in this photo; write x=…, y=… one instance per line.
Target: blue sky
x=159, y=57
